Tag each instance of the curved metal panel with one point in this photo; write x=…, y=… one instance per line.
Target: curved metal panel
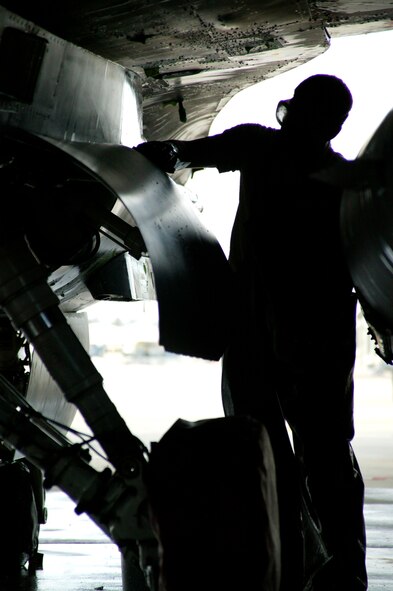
x=192, y=276
x=367, y=232
x=367, y=223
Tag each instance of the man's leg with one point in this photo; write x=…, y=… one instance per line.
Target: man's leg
x=320, y=412
x=337, y=493
x=247, y=390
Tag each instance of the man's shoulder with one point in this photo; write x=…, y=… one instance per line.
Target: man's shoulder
x=237, y=147
x=251, y=130
x=334, y=156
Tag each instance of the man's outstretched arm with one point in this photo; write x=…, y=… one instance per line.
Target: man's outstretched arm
x=224, y=151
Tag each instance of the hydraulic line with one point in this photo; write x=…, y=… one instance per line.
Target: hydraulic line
x=12, y=394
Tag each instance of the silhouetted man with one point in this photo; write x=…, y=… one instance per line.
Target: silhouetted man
x=294, y=322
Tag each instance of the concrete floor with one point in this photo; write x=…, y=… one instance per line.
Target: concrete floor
x=78, y=557
x=379, y=523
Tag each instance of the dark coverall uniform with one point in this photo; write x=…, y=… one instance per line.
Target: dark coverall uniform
x=294, y=330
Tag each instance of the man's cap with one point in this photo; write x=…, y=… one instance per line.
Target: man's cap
x=321, y=92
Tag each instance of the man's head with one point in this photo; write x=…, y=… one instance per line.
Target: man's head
x=318, y=108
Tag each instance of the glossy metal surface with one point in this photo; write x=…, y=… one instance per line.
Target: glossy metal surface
x=191, y=273
x=77, y=95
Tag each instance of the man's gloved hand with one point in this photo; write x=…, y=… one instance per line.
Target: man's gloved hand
x=162, y=154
